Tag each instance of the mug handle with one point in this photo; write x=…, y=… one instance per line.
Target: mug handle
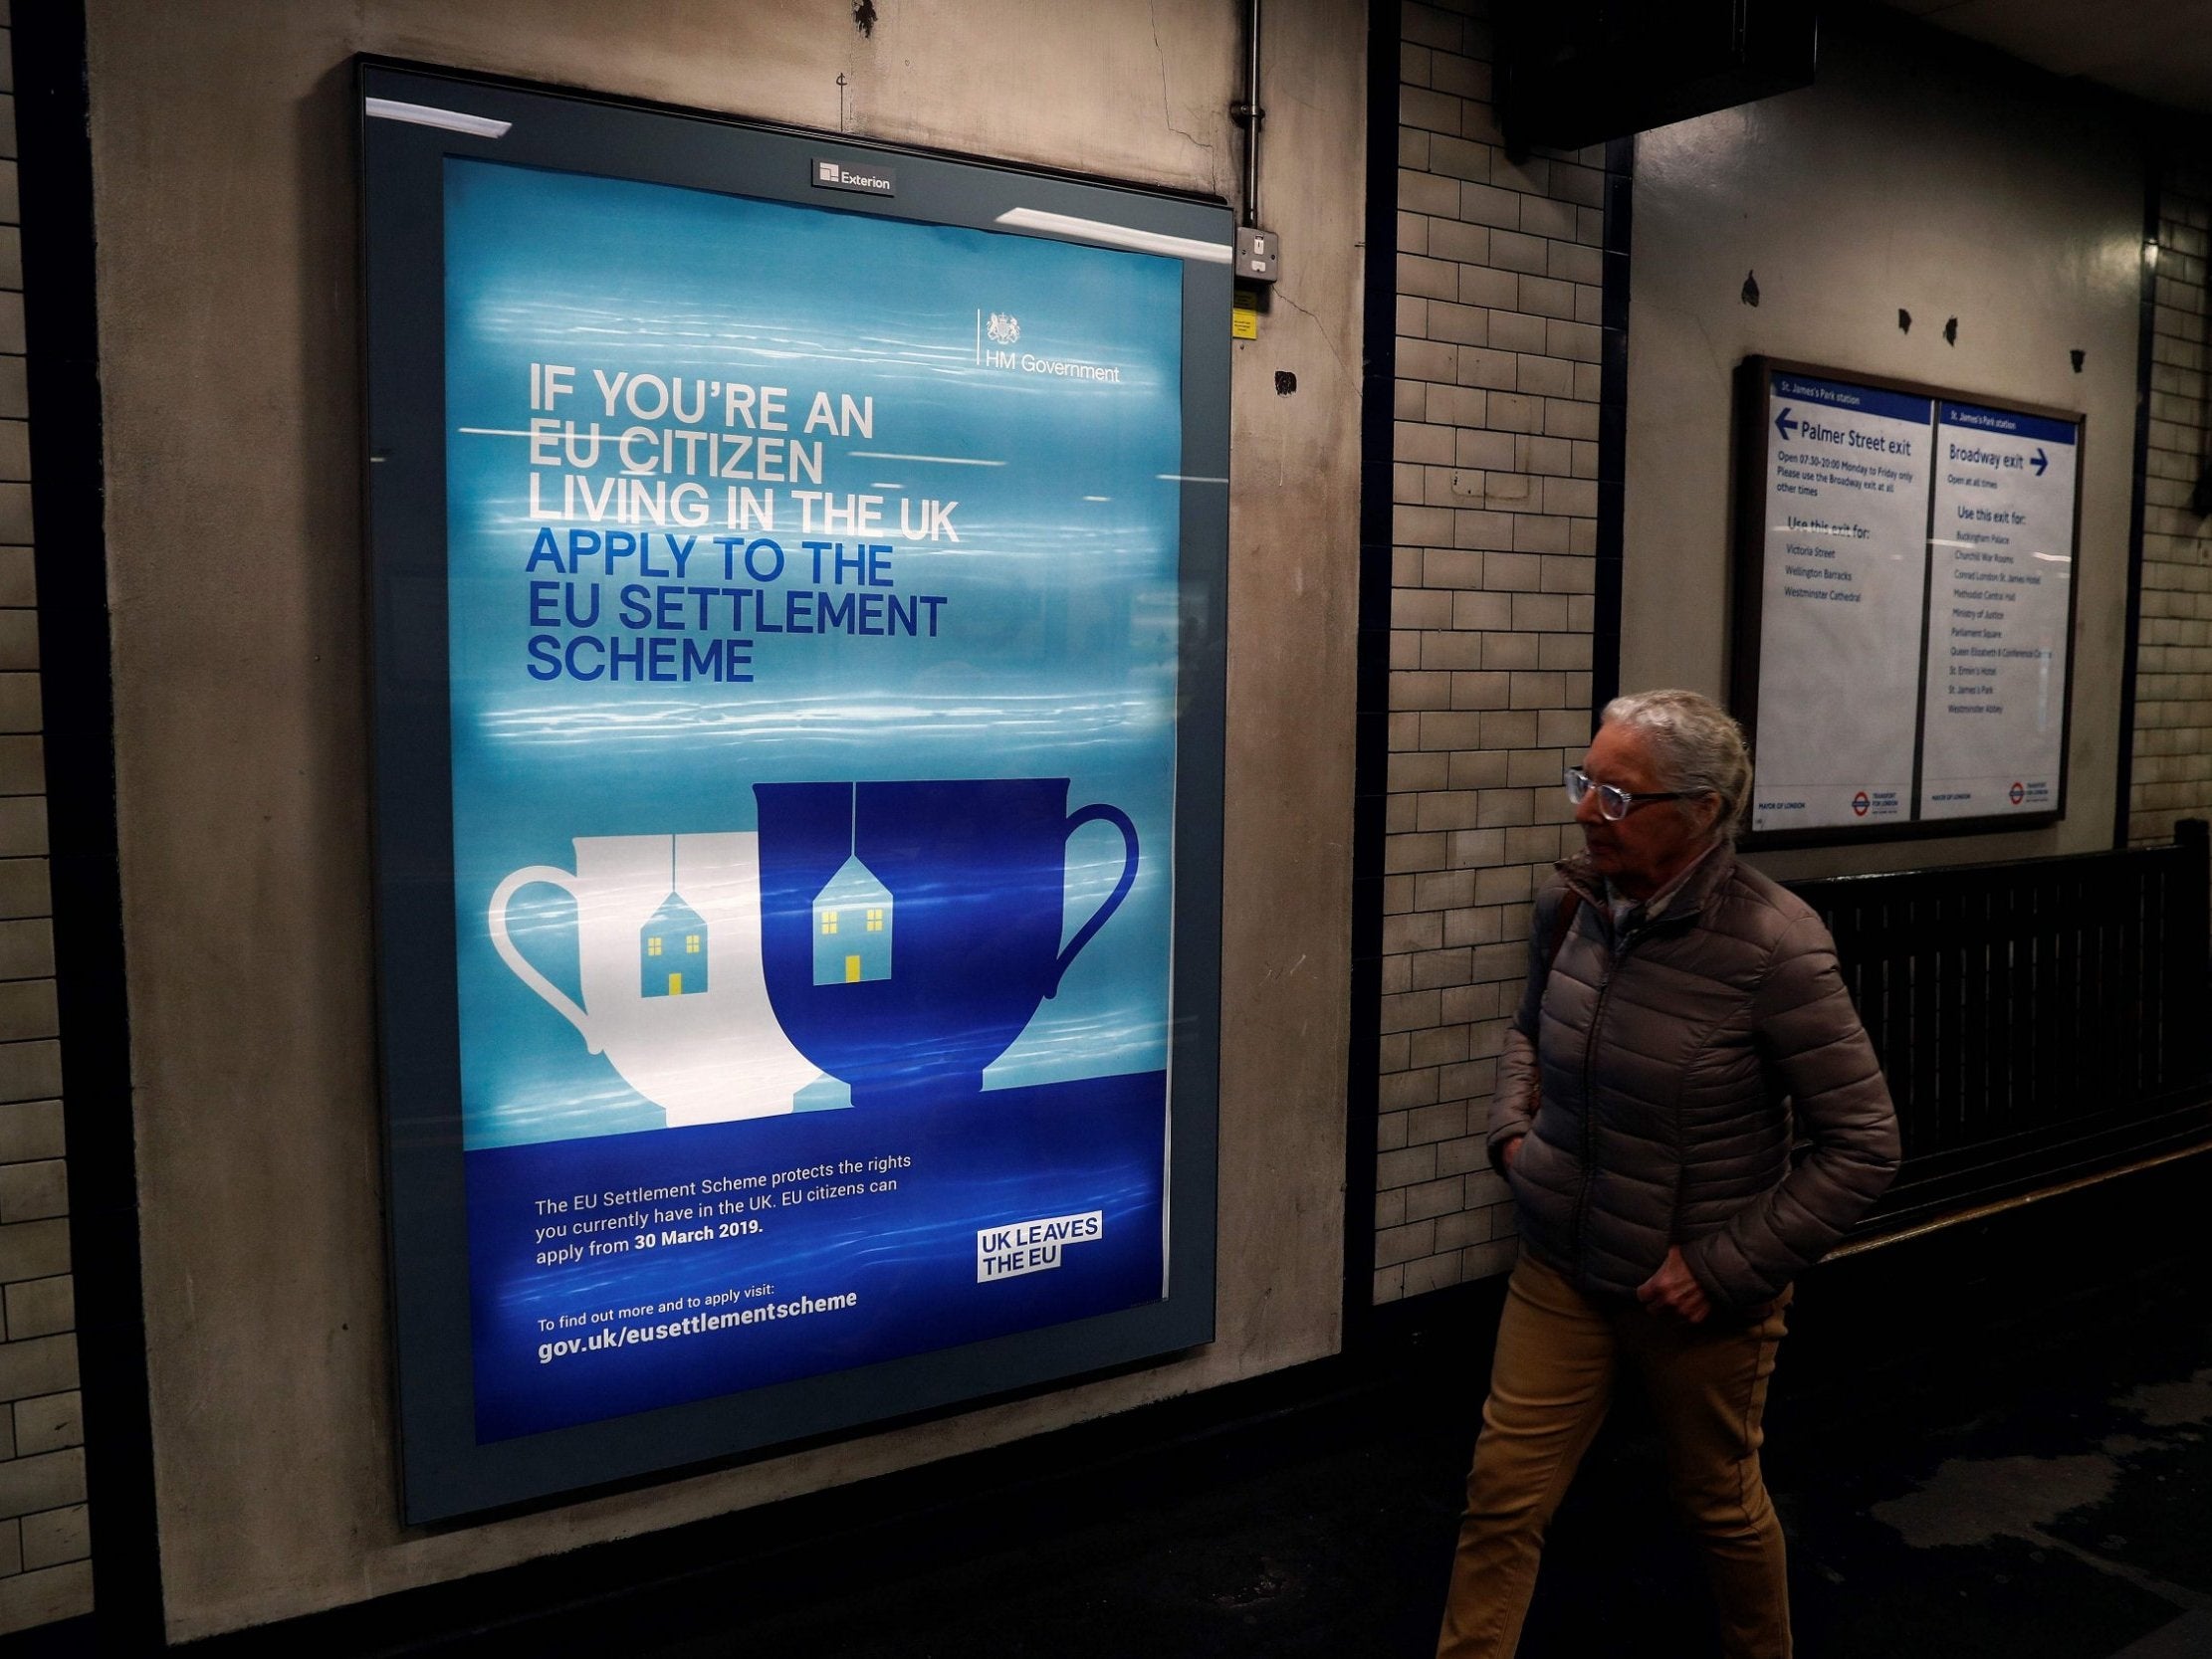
x=503, y=895
x=1099, y=815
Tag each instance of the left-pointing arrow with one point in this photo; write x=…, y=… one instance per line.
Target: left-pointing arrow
x=1783, y=424
x=2039, y=461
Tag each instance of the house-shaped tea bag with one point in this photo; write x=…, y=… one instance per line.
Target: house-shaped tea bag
x=672, y=950
x=852, y=927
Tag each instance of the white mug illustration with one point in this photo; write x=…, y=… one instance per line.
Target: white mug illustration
x=668, y=943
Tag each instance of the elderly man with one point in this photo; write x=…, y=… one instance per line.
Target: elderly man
x=1684, y=1024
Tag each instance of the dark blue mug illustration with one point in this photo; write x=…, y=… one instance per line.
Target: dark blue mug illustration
x=909, y=930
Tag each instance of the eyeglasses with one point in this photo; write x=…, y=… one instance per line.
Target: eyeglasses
x=1614, y=804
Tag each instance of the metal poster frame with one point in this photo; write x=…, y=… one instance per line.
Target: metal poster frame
x=1754, y=377
x=416, y=122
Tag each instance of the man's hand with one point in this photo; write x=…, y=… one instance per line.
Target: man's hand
x=1511, y=1149
x=1674, y=1288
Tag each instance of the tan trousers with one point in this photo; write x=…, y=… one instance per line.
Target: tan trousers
x=1550, y=1384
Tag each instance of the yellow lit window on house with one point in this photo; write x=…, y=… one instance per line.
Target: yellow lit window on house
x=691, y=944
x=875, y=920
x=829, y=922
x=653, y=945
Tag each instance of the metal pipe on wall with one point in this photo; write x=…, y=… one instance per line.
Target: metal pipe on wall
x=1251, y=114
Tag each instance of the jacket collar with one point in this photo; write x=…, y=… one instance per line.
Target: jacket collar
x=1686, y=903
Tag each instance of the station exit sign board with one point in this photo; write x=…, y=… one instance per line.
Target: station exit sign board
x=1905, y=606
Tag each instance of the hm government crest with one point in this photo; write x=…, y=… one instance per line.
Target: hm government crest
x=1003, y=328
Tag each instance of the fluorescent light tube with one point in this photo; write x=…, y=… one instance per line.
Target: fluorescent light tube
x=1115, y=236
x=429, y=115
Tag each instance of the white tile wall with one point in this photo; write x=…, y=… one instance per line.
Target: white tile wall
x=1495, y=527
x=45, y=1547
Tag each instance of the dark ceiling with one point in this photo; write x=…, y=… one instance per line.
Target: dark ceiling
x=2157, y=50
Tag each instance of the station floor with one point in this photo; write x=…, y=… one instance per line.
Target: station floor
x=1993, y=1440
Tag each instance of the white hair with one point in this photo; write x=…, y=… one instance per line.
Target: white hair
x=1697, y=746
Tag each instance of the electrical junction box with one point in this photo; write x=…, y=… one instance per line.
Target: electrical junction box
x=1258, y=254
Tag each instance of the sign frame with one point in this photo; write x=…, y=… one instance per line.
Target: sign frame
x=444, y=1470
x=1747, y=570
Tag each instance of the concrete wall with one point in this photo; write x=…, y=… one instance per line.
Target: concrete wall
x=1916, y=174
x=224, y=161
x=2172, y=771
x=45, y=1572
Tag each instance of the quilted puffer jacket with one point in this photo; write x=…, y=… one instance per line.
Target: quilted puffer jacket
x=1678, y=1063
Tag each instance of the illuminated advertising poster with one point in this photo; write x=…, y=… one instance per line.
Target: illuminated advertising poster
x=813, y=659
x=799, y=854
x=2003, y=550
x=1845, y=559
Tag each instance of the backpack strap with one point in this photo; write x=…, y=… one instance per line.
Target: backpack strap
x=1562, y=924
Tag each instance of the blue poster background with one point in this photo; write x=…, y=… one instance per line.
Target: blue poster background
x=901, y=1243
x=813, y=639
